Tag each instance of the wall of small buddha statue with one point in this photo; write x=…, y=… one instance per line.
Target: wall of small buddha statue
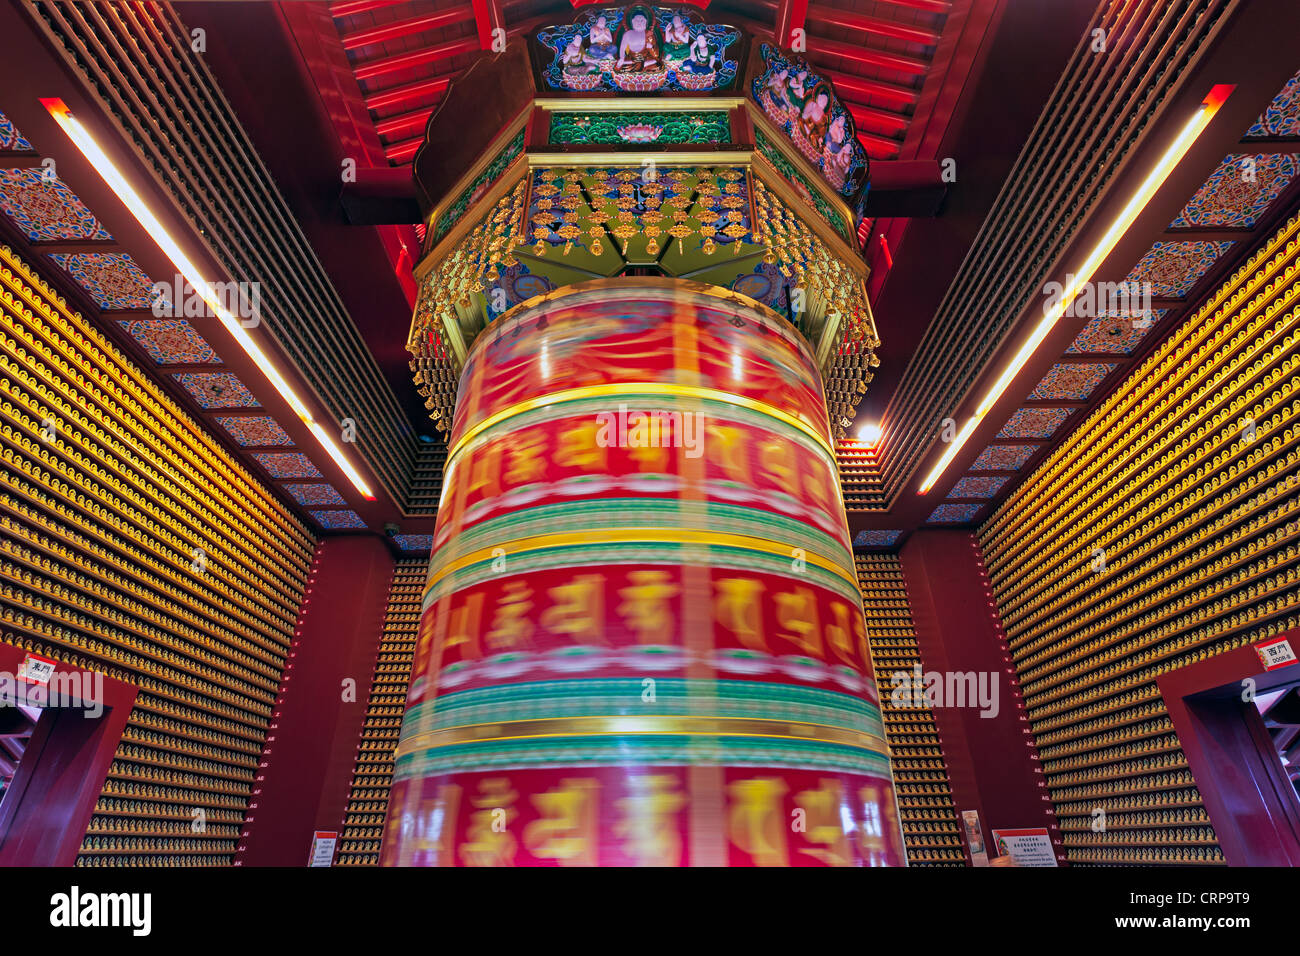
x=929, y=821
x=931, y=833
x=133, y=544
x=1176, y=520
x=368, y=799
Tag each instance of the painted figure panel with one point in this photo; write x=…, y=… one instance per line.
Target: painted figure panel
x=640, y=48
x=804, y=106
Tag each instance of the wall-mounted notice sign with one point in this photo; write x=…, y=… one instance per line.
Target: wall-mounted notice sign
x=1275, y=653
x=36, y=670
x=1029, y=847
x=974, y=838
x=322, y=847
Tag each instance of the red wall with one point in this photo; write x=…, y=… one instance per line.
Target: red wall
x=311, y=749
x=61, y=775
x=1251, y=803
x=992, y=764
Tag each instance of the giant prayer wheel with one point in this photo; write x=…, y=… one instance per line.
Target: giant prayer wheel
x=642, y=640
x=642, y=323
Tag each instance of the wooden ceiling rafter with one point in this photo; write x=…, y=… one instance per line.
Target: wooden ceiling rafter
x=789, y=18
x=875, y=77
x=404, y=28
x=878, y=82
x=351, y=8
x=405, y=58
x=488, y=18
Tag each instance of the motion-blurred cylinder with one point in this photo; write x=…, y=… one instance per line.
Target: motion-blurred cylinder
x=642, y=639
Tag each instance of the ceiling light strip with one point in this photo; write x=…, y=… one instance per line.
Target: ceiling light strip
x=1132, y=209
x=116, y=181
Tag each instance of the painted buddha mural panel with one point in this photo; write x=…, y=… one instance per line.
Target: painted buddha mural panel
x=640, y=48
x=638, y=43
x=805, y=108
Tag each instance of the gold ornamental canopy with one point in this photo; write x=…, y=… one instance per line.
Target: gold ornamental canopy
x=641, y=141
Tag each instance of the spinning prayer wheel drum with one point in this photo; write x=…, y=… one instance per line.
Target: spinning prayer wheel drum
x=642, y=639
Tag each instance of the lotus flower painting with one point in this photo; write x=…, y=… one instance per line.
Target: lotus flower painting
x=639, y=133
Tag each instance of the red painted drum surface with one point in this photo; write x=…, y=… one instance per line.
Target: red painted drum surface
x=642, y=639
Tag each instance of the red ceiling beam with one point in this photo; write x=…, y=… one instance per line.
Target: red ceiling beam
x=929, y=6
x=820, y=13
x=405, y=28
x=878, y=147
x=399, y=127
x=869, y=57
x=350, y=8
x=869, y=119
x=489, y=18
x=402, y=152
x=399, y=95
x=790, y=16
x=405, y=61
x=892, y=29
x=862, y=86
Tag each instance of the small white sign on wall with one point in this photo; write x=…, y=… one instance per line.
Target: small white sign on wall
x=36, y=670
x=322, y=847
x=1275, y=653
x=1028, y=847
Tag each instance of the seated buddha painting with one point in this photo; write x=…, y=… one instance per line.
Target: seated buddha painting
x=640, y=48
x=639, y=44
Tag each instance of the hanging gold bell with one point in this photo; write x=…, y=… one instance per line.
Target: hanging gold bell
x=652, y=233
x=568, y=232
x=679, y=232
x=625, y=232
